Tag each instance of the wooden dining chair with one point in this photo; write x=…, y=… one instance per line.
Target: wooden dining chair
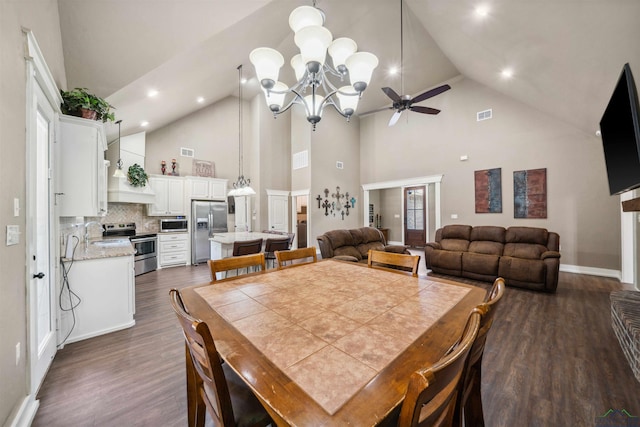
x=235, y=263
x=387, y=260
x=212, y=386
x=432, y=392
x=272, y=245
x=296, y=254
x=469, y=406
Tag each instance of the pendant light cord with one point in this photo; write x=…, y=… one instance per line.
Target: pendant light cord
x=401, y=49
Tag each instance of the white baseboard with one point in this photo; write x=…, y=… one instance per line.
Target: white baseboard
x=25, y=414
x=100, y=332
x=593, y=271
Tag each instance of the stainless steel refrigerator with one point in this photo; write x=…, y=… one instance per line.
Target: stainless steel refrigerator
x=206, y=218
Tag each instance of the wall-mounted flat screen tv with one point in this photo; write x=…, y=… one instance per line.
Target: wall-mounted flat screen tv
x=620, y=129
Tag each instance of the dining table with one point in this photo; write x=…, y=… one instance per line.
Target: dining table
x=331, y=343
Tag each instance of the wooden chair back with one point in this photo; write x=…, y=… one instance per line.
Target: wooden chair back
x=383, y=260
x=296, y=254
x=432, y=392
x=234, y=263
x=247, y=247
x=469, y=404
x=210, y=382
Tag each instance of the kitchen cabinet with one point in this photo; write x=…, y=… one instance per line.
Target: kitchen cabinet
x=81, y=184
x=206, y=188
x=173, y=249
x=169, y=192
x=106, y=291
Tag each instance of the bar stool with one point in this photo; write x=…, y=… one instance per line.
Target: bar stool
x=272, y=245
x=247, y=247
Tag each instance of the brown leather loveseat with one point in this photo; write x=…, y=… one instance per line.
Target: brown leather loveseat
x=526, y=257
x=353, y=245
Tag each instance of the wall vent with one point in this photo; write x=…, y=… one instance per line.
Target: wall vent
x=187, y=152
x=484, y=115
x=339, y=165
x=300, y=160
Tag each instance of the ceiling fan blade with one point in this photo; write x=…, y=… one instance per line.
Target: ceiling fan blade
x=395, y=118
x=375, y=111
x=391, y=94
x=431, y=93
x=424, y=110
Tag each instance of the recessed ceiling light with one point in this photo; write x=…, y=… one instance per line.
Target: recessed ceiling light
x=243, y=80
x=482, y=10
x=200, y=100
x=393, y=71
x=144, y=124
x=152, y=93
x=507, y=73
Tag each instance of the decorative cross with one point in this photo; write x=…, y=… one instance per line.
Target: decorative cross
x=343, y=215
x=347, y=206
x=326, y=193
x=319, y=199
x=326, y=206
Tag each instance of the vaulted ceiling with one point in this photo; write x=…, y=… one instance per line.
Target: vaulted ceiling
x=565, y=55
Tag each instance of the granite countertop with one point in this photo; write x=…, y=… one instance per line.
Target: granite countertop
x=99, y=248
x=229, y=238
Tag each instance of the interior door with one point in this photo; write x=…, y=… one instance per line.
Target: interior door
x=414, y=216
x=42, y=313
x=279, y=213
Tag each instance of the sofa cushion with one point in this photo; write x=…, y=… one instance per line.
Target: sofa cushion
x=522, y=270
x=480, y=263
x=488, y=233
x=462, y=232
x=538, y=236
x=486, y=247
x=347, y=250
x=367, y=235
x=339, y=238
x=396, y=249
x=448, y=260
x=524, y=250
x=458, y=245
x=364, y=248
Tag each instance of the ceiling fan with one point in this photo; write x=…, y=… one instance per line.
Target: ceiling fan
x=405, y=102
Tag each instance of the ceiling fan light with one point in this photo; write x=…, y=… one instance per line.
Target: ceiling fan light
x=305, y=16
x=361, y=66
x=340, y=50
x=348, y=98
x=275, y=96
x=313, y=42
x=267, y=63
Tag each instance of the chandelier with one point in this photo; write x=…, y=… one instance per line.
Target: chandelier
x=242, y=186
x=313, y=90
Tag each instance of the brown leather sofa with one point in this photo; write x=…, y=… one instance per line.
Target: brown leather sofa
x=526, y=257
x=353, y=245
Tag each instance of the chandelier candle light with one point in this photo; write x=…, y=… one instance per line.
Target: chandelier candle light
x=312, y=71
x=242, y=186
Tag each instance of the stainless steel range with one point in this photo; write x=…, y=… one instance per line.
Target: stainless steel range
x=145, y=245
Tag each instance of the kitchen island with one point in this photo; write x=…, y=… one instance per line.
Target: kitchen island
x=222, y=243
x=100, y=288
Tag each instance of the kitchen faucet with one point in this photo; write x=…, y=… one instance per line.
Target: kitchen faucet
x=86, y=231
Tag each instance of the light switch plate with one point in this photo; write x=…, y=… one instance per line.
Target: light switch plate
x=16, y=207
x=13, y=235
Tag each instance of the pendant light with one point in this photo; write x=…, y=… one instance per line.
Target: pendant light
x=242, y=186
x=119, y=173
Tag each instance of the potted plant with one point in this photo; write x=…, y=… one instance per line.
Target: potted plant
x=136, y=176
x=79, y=102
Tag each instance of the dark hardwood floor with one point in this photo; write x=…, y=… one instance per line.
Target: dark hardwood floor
x=550, y=360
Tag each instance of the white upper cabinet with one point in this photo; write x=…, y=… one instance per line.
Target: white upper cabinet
x=206, y=188
x=82, y=168
x=169, y=192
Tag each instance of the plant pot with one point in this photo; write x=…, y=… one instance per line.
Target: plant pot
x=88, y=114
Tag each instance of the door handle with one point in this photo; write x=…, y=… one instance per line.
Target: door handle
x=38, y=276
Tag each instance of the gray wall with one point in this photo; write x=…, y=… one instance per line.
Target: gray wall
x=518, y=137
x=390, y=206
x=41, y=17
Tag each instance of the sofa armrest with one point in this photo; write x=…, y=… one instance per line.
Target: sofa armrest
x=433, y=245
x=550, y=254
x=396, y=249
x=345, y=258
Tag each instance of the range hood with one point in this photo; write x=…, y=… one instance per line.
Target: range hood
x=119, y=190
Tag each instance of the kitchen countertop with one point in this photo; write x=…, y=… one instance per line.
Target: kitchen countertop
x=229, y=238
x=99, y=248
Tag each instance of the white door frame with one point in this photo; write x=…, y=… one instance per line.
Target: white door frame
x=402, y=184
x=38, y=75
